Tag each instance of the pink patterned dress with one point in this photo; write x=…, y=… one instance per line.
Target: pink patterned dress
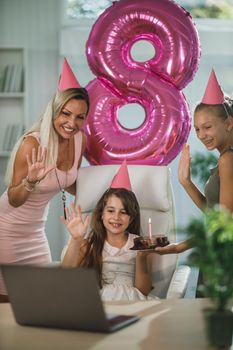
x=22, y=230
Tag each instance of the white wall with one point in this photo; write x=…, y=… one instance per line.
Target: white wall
x=36, y=25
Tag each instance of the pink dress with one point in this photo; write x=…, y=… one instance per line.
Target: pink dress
x=22, y=230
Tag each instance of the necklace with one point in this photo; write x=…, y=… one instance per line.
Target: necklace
x=63, y=197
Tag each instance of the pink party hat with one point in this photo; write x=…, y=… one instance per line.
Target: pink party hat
x=121, y=179
x=213, y=93
x=67, y=78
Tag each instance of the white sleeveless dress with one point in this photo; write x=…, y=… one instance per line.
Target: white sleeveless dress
x=118, y=273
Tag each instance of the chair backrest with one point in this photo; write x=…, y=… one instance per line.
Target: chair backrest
x=152, y=186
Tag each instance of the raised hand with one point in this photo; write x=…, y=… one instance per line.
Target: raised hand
x=185, y=166
x=74, y=222
x=36, y=165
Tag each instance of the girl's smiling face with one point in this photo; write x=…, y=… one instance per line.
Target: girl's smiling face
x=211, y=130
x=115, y=219
x=71, y=118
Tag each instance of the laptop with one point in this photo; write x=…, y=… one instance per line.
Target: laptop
x=56, y=297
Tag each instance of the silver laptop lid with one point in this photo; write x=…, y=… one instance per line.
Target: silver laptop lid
x=58, y=297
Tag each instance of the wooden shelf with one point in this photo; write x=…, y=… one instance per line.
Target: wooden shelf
x=12, y=94
x=12, y=101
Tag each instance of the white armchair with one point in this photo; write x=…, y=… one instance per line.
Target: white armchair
x=153, y=189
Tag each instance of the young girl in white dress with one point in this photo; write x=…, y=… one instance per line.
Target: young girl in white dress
x=123, y=274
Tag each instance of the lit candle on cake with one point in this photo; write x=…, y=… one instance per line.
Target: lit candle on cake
x=150, y=233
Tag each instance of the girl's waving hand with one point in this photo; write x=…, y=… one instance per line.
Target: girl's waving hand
x=74, y=221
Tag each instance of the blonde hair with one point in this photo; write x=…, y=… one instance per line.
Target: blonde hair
x=48, y=135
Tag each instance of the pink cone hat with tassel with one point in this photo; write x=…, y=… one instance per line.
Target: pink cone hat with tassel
x=67, y=78
x=213, y=94
x=121, y=179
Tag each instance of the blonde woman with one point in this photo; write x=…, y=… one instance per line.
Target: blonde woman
x=43, y=162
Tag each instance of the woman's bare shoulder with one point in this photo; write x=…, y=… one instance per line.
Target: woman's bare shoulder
x=28, y=143
x=26, y=147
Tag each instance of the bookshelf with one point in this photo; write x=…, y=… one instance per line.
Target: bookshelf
x=12, y=102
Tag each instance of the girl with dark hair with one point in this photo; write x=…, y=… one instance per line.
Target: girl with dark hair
x=123, y=274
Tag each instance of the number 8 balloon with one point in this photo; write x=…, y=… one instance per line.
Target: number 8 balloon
x=154, y=84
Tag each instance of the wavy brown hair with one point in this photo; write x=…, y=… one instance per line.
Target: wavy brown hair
x=95, y=242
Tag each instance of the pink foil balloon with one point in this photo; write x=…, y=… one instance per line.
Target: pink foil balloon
x=154, y=84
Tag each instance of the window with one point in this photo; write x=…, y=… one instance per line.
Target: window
x=222, y=9
x=86, y=8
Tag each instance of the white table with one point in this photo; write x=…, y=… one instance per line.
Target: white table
x=164, y=325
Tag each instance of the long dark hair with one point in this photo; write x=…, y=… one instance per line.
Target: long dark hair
x=97, y=237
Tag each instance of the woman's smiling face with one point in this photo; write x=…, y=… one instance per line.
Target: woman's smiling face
x=71, y=118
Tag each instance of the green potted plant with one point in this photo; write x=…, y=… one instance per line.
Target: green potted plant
x=212, y=239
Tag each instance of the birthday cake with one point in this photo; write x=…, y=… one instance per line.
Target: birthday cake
x=144, y=243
